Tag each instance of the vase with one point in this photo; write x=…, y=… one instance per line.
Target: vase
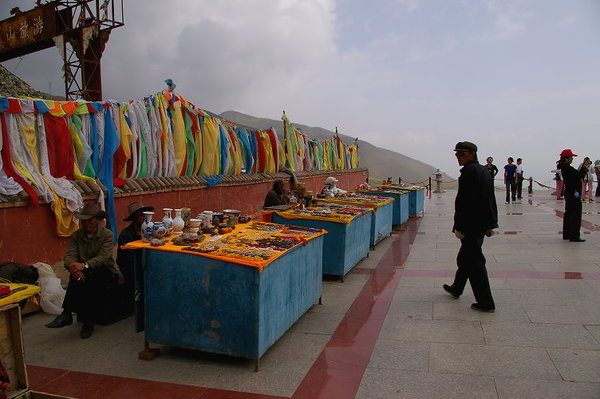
x=168, y=221
x=147, y=229
x=178, y=222
x=186, y=214
x=159, y=230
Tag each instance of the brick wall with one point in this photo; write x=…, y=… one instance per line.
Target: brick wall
x=28, y=234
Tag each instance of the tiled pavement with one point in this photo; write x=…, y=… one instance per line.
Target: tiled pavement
x=388, y=331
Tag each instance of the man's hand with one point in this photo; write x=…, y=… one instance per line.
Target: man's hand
x=459, y=235
x=490, y=232
x=76, y=270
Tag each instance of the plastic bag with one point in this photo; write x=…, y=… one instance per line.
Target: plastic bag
x=52, y=295
x=44, y=269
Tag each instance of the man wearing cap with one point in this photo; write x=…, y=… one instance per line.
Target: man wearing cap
x=90, y=263
x=133, y=232
x=572, y=193
x=475, y=216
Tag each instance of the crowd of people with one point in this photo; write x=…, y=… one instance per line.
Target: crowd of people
x=513, y=177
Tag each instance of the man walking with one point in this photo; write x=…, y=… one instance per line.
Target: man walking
x=475, y=216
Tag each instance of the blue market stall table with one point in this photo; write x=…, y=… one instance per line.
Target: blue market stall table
x=381, y=223
x=345, y=243
x=234, y=294
x=416, y=198
x=401, y=203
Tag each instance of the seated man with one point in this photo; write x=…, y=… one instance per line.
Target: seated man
x=276, y=196
x=90, y=262
x=133, y=232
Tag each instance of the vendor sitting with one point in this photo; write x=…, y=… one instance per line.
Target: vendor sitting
x=276, y=196
x=133, y=232
x=330, y=189
x=90, y=262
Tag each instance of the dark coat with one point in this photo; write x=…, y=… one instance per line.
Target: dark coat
x=572, y=178
x=274, y=198
x=475, y=209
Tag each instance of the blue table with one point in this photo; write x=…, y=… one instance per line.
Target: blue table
x=400, y=207
x=416, y=201
x=381, y=223
x=416, y=198
x=195, y=302
x=344, y=244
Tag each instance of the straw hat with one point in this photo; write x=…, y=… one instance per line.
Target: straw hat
x=134, y=208
x=89, y=211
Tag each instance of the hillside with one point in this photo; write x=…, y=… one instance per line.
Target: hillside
x=382, y=163
x=12, y=86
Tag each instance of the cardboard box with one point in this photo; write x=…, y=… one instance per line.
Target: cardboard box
x=12, y=356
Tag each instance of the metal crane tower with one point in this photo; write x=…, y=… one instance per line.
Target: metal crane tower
x=80, y=30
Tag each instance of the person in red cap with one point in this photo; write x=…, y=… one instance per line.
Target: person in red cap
x=572, y=193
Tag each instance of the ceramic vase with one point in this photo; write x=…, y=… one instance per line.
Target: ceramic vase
x=159, y=230
x=178, y=222
x=186, y=214
x=168, y=221
x=147, y=230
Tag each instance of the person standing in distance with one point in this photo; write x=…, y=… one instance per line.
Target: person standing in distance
x=519, y=179
x=573, y=180
x=493, y=169
x=475, y=217
x=510, y=174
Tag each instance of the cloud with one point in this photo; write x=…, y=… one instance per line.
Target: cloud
x=410, y=5
x=508, y=20
x=224, y=54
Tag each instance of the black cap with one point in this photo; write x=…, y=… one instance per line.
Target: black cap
x=465, y=146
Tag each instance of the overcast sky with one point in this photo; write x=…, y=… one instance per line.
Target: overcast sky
x=518, y=78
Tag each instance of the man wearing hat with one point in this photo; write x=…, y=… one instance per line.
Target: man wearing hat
x=90, y=262
x=133, y=232
x=572, y=193
x=276, y=196
x=475, y=216
x=330, y=189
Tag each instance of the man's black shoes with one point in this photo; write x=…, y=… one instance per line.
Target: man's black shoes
x=481, y=308
x=63, y=319
x=449, y=290
x=577, y=240
x=86, y=330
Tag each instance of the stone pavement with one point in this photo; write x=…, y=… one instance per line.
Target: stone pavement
x=387, y=331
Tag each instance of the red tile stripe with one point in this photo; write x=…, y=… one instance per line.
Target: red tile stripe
x=338, y=370
x=99, y=386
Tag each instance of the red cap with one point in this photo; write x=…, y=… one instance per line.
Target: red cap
x=567, y=153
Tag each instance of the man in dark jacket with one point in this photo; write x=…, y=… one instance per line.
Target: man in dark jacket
x=90, y=263
x=572, y=186
x=276, y=195
x=475, y=216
